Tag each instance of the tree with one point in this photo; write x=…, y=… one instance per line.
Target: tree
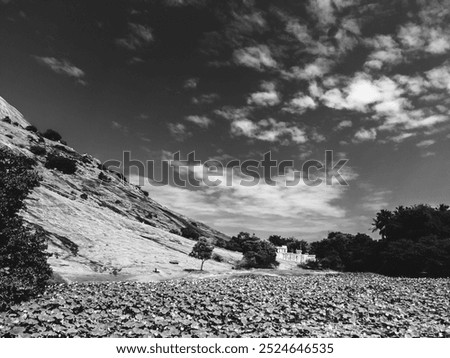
x=260, y=253
x=295, y=245
x=202, y=250
x=24, y=270
x=381, y=222
x=291, y=242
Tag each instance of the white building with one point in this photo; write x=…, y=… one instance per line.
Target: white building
x=283, y=254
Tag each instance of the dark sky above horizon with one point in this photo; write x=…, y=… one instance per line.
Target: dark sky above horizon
x=369, y=80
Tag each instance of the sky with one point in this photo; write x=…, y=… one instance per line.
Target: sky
x=368, y=80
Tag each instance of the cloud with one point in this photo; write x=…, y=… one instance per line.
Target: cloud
x=118, y=126
x=246, y=23
x=425, y=143
x=300, y=31
x=375, y=200
x=363, y=135
x=179, y=131
x=268, y=97
x=323, y=11
x=139, y=36
x=191, y=83
x=316, y=69
x=268, y=130
x=180, y=3
x=201, y=121
x=401, y=137
x=344, y=124
x=259, y=206
x=386, y=52
x=257, y=57
x=63, y=67
x=427, y=121
x=439, y=77
x=300, y=104
x=205, y=98
x=433, y=40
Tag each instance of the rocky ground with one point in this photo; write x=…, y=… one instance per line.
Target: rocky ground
x=243, y=305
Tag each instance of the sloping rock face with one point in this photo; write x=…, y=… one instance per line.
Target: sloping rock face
x=98, y=225
x=6, y=110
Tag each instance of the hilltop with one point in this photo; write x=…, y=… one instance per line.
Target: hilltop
x=98, y=225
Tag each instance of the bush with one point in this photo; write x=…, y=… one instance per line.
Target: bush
x=24, y=271
x=175, y=231
x=52, y=135
x=217, y=257
x=146, y=194
x=38, y=150
x=104, y=177
x=63, y=164
x=189, y=233
x=31, y=129
x=311, y=265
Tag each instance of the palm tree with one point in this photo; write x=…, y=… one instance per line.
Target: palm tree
x=381, y=222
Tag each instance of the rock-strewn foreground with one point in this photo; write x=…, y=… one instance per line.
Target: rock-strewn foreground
x=348, y=305
x=102, y=229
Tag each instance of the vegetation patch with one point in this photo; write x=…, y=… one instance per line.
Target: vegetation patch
x=63, y=164
x=24, y=270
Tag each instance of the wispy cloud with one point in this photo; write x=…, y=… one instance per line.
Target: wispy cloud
x=120, y=127
x=63, y=67
x=179, y=131
x=139, y=36
x=256, y=57
x=201, y=121
x=426, y=143
x=191, y=83
x=205, y=98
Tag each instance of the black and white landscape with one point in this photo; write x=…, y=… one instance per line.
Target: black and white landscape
x=195, y=168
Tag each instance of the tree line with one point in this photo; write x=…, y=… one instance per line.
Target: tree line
x=414, y=241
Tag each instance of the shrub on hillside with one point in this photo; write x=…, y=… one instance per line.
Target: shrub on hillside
x=52, y=135
x=31, y=128
x=24, y=270
x=104, y=177
x=189, y=233
x=217, y=257
x=175, y=231
x=38, y=150
x=63, y=164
